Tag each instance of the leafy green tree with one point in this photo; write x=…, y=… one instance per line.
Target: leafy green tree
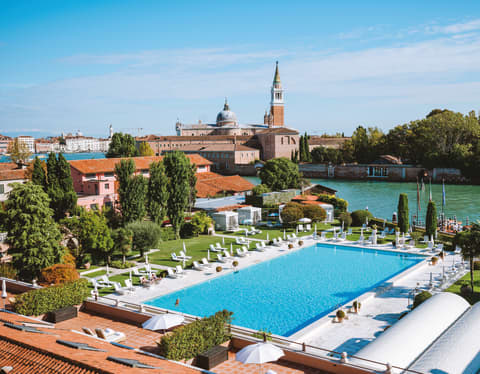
x=38, y=174
x=157, y=192
x=93, y=234
x=145, y=149
x=314, y=212
x=178, y=171
x=431, y=219
x=132, y=191
x=201, y=221
x=469, y=241
x=33, y=235
x=146, y=235
x=260, y=189
x=192, y=182
x=291, y=213
x=122, y=239
x=122, y=145
x=280, y=174
x=403, y=221
x=18, y=151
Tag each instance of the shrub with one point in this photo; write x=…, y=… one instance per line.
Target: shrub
x=314, y=212
x=68, y=258
x=340, y=205
x=188, y=230
x=476, y=265
x=188, y=341
x=340, y=314
x=167, y=234
x=201, y=223
x=420, y=298
x=146, y=235
x=465, y=290
x=8, y=271
x=43, y=300
x=359, y=217
x=357, y=305
x=58, y=274
x=263, y=334
x=416, y=236
x=260, y=189
x=218, y=269
x=291, y=214
x=120, y=265
x=346, y=219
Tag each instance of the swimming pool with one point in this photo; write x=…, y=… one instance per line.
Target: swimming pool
x=289, y=292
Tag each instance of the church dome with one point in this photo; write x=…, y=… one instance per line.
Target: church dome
x=226, y=117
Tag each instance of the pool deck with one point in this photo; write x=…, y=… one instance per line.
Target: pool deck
x=381, y=307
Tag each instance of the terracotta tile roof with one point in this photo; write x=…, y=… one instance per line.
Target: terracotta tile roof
x=9, y=175
x=213, y=184
x=29, y=352
x=279, y=130
x=104, y=165
x=305, y=198
x=8, y=166
x=206, y=138
x=218, y=147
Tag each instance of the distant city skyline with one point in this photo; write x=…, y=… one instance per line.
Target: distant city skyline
x=69, y=66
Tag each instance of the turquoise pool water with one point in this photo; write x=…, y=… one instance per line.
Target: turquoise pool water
x=290, y=292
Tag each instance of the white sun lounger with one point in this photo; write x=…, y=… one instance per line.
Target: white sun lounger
x=217, y=245
x=300, y=227
x=213, y=249
x=172, y=274
x=119, y=289
x=240, y=253
x=308, y=227
x=240, y=241
x=174, y=258
x=184, y=256
x=104, y=279
x=222, y=259
x=179, y=270
x=259, y=247
x=197, y=266
x=205, y=263
x=264, y=246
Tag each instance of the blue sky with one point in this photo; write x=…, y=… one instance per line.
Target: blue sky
x=81, y=65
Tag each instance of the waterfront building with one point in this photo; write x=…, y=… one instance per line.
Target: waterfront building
x=96, y=185
x=28, y=141
x=80, y=143
x=48, y=145
x=4, y=142
x=315, y=141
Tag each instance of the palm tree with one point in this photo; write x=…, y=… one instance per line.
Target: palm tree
x=469, y=241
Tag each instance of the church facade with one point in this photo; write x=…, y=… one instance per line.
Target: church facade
x=227, y=123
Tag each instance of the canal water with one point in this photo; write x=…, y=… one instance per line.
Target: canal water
x=68, y=156
x=381, y=197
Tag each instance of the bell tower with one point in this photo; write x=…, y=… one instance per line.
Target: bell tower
x=276, y=102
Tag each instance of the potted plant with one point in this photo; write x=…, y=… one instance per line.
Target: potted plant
x=218, y=269
x=290, y=246
x=300, y=243
x=356, y=306
x=441, y=255
x=340, y=315
x=434, y=260
x=235, y=264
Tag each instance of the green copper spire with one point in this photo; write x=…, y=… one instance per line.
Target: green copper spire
x=276, y=79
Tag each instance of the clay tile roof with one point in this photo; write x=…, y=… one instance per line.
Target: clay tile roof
x=25, y=351
x=306, y=198
x=7, y=166
x=9, y=175
x=211, y=184
x=279, y=130
x=104, y=165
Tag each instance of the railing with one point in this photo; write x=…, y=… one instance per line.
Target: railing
x=251, y=335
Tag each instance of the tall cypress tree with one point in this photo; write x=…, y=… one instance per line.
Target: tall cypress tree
x=69, y=196
x=38, y=174
x=177, y=168
x=301, y=151
x=306, y=148
x=403, y=223
x=157, y=193
x=431, y=219
x=132, y=191
x=192, y=180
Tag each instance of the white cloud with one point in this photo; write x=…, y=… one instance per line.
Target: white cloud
x=455, y=28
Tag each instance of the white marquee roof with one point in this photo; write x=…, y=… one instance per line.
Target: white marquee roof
x=403, y=342
x=457, y=350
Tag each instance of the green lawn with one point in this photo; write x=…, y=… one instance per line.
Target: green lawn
x=455, y=288
x=275, y=232
x=95, y=274
x=196, y=247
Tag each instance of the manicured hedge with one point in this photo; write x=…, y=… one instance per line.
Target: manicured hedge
x=44, y=300
x=420, y=298
x=359, y=217
x=190, y=340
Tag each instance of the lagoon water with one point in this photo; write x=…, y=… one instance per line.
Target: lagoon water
x=381, y=197
x=68, y=156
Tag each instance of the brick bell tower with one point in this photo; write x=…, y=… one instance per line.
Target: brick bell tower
x=277, y=103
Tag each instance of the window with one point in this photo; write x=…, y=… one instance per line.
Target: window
x=107, y=186
x=108, y=175
x=2, y=188
x=91, y=176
